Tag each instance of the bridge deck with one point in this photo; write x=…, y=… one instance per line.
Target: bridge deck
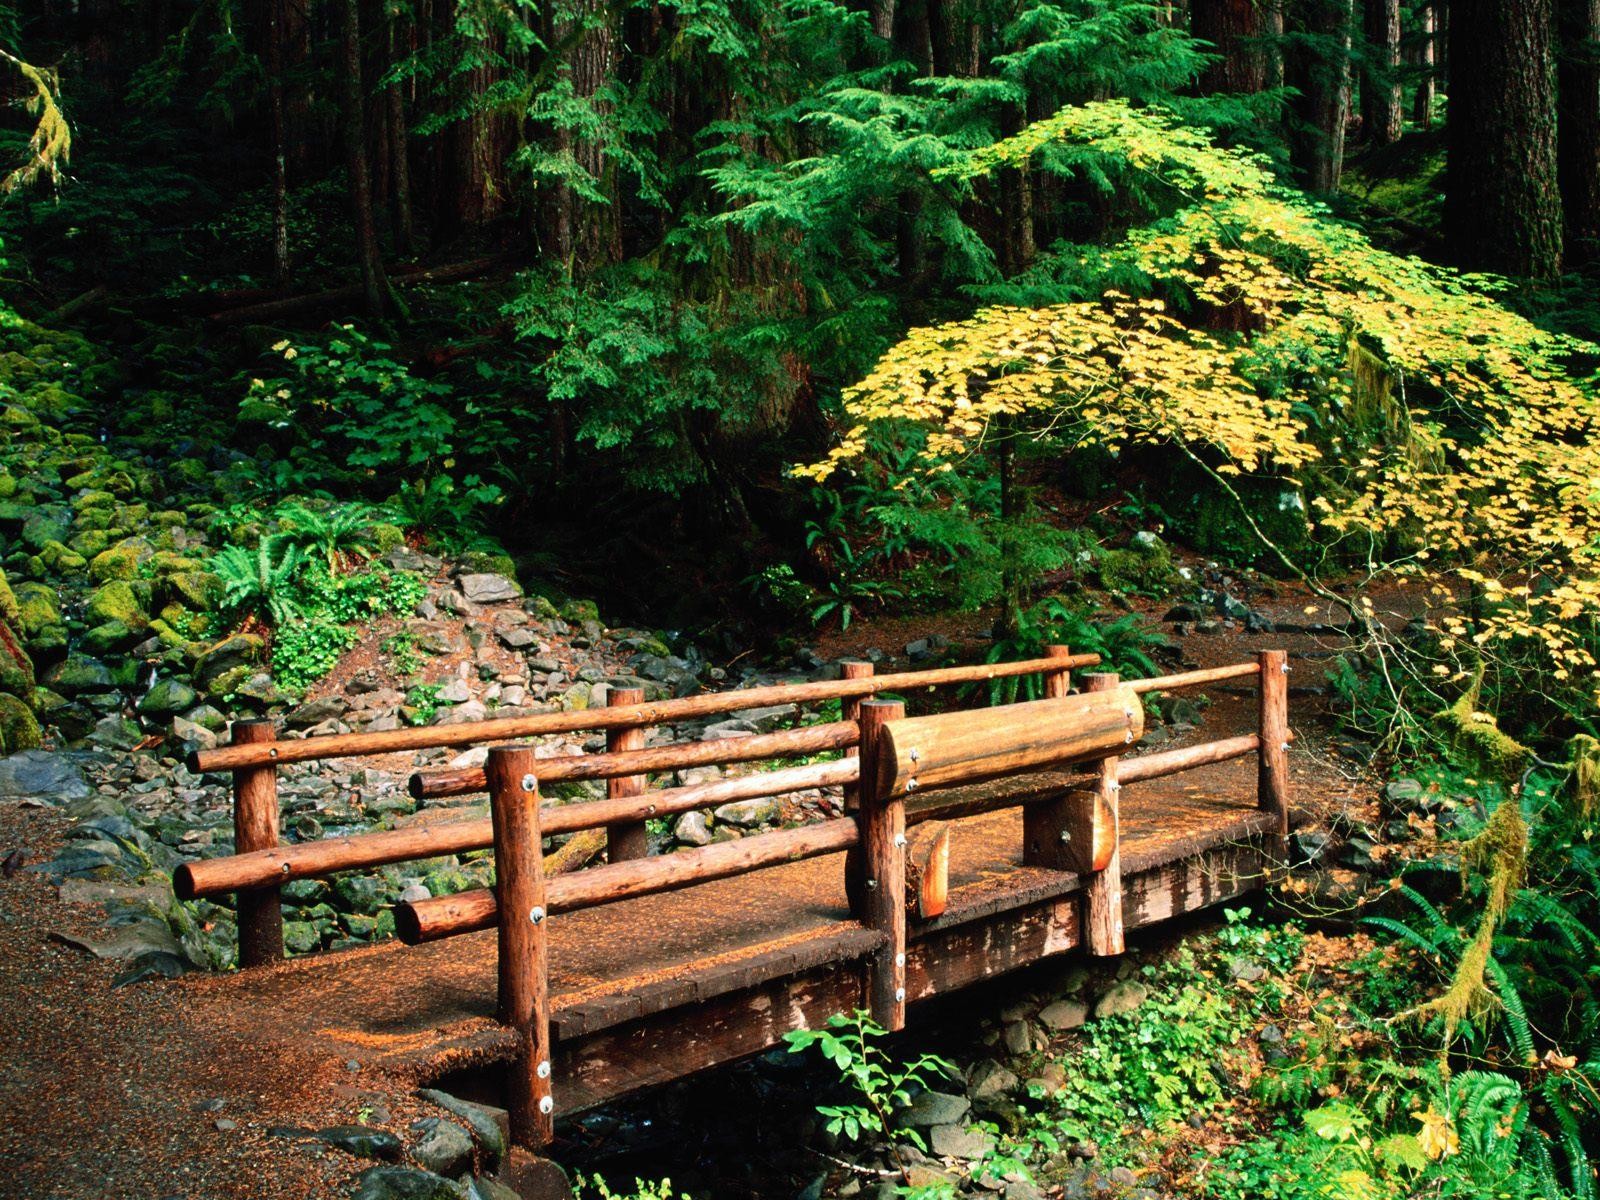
x=749, y=957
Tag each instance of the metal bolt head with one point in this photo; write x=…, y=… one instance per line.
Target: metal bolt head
x=899, y=839
x=872, y=885
x=899, y=960
x=546, y=1105
x=536, y=913
x=543, y=1069
x=915, y=755
x=911, y=785
x=1065, y=836
x=899, y=995
x=529, y=783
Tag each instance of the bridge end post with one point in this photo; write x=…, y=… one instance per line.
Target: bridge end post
x=524, y=942
x=255, y=827
x=882, y=820
x=1272, y=791
x=629, y=840
x=1102, y=910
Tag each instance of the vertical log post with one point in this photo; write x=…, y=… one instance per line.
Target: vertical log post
x=883, y=852
x=850, y=710
x=524, y=944
x=1272, y=794
x=629, y=840
x=255, y=827
x=1102, y=918
x=1058, y=683
x=1048, y=826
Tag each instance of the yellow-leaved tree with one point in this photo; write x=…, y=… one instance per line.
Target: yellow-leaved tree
x=1434, y=428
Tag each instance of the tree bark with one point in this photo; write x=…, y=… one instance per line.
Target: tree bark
x=1380, y=81
x=596, y=226
x=399, y=142
x=1422, y=102
x=280, y=151
x=1502, y=207
x=1318, y=66
x=1578, y=127
x=1234, y=28
x=352, y=94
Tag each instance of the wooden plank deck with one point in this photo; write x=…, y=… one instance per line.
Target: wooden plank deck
x=726, y=968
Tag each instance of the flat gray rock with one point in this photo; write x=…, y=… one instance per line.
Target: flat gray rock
x=41, y=775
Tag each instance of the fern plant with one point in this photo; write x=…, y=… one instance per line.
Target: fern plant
x=335, y=534
x=261, y=582
x=1125, y=645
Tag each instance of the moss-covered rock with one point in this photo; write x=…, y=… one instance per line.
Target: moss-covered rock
x=93, y=499
x=122, y=561
x=89, y=542
x=46, y=525
x=59, y=558
x=579, y=611
x=118, y=601
x=232, y=655
x=19, y=728
x=79, y=675
x=386, y=537
x=201, y=590
x=168, y=697
x=110, y=637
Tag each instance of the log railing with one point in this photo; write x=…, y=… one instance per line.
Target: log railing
x=261, y=865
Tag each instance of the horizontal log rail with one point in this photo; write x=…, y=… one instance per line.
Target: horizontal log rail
x=328, y=856
x=657, y=712
x=814, y=739
x=1167, y=683
x=468, y=912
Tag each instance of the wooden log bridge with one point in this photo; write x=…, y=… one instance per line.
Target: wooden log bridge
x=970, y=843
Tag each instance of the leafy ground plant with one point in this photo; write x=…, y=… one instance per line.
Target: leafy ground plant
x=881, y=1086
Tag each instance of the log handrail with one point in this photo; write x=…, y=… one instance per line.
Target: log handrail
x=656, y=712
x=326, y=856
x=1167, y=683
x=471, y=911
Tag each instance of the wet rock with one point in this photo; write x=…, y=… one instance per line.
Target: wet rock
x=748, y=814
x=168, y=697
x=935, y=1108
x=116, y=733
x=314, y=712
x=1123, y=997
x=691, y=829
x=990, y=1080
x=1017, y=1037
x=489, y=588
x=227, y=656
x=41, y=775
x=490, y=1126
x=958, y=1141
x=445, y=1147
x=404, y=1183
x=1309, y=846
x=362, y=1141
x=80, y=676
x=1064, y=1015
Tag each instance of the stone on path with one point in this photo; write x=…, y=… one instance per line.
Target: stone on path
x=445, y=1147
x=749, y=813
x=691, y=829
x=41, y=775
x=404, y=1183
x=489, y=589
x=1122, y=997
x=361, y=1140
x=1064, y=1015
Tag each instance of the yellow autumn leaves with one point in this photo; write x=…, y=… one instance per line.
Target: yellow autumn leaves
x=1439, y=427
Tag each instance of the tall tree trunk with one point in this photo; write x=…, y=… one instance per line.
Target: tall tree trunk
x=1235, y=28
x=1422, y=103
x=1578, y=127
x=352, y=95
x=1318, y=66
x=280, y=152
x=399, y=141
x=596, y=225
x=1502, y=206
x=1273, y=19
x=883, y=18
x=1380, y=81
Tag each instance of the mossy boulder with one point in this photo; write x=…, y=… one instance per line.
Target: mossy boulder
x=89, y=542
x=19, y=728
x=579, y=611
x=386, y=537
x=119, y=601
x=233, y=656
x=45, y=526
x=93, y=498
x=111, y=637
x=201, y=590
x=80, y=675
x=122, y=561
x=10, y=610
x=59, y=558
x=167, y=698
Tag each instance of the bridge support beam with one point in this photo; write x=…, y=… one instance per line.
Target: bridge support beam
x=882, y=821
x=1272, y=793
x=1102, y=904
x=524, y=976
x=255, y=827
x=628, y=840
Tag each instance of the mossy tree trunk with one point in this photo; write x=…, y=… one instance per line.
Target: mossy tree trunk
x=1502, y=204
x=352, y=97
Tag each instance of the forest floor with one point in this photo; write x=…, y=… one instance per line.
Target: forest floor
x=128, y=1091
